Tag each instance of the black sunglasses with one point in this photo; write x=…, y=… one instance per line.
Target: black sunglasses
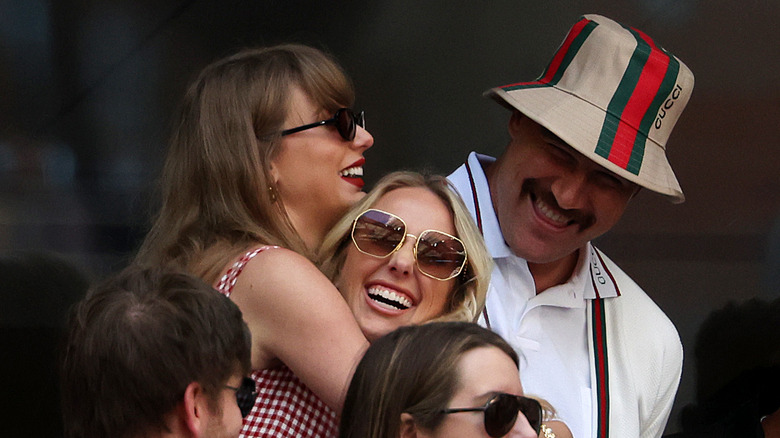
x=345, y=120
x=501, y=413
x=245, y=395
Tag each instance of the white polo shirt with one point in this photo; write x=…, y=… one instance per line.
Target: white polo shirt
x=548, y=330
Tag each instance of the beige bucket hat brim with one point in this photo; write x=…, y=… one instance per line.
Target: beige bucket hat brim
x=612, y=94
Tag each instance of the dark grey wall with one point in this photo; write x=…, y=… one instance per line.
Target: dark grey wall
x=87, y=89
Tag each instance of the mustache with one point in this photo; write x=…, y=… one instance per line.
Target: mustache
x=583, y=219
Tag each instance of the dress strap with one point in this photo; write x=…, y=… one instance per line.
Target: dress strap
x=226, y=283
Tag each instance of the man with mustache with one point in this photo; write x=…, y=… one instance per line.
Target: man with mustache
x=585, y=137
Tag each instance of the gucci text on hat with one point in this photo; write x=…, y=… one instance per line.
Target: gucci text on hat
x=614, y=95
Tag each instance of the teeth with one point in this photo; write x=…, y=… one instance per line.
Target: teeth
x=352, y=172
x=389, y=297
x=551, y=214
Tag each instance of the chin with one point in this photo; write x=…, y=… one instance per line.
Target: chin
x=371, y=336
x=377, y=332
x=535, y=252
x=357, y=196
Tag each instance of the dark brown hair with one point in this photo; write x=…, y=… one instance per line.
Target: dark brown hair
x=411, y=370
x=135, y=343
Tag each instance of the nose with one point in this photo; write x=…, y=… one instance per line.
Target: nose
x=363, y=139
x=402, y=261
x=570, y=190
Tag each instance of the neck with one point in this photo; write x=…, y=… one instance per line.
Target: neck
x=547, y=275
x=310, y=228
x=173, y=429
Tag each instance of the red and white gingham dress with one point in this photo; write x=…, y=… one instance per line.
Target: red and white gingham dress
x=285, y=407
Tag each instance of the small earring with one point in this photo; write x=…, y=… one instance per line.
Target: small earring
x=272, y=193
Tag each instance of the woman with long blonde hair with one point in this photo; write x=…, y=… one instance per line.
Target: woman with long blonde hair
x=408, y=253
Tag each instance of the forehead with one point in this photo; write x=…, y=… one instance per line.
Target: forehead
x=420, y=208
x=302, y=108
x=487, y=370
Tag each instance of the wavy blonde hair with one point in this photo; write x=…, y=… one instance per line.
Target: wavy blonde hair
x=218, y=196
x=468, y=296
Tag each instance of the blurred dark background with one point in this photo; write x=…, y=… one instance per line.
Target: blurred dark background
x=87, y=89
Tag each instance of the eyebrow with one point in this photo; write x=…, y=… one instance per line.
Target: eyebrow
x=485, y=396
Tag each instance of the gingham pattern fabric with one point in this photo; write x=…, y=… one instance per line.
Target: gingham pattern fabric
x=285, y=407
x=227, y=281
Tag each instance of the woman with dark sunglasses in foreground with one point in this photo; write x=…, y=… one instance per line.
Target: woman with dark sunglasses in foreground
x=408, y=253
x=442, y=379
x=265, y=157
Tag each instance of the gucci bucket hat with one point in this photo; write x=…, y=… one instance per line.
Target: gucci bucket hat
x=614, y=95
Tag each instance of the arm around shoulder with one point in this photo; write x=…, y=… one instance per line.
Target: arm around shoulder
x=298, y=317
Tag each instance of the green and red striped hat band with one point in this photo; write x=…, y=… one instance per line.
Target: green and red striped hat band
x=614, y=95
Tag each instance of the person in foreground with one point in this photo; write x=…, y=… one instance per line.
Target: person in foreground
x=441, y=379
x=584, y=138
x=408, y=253
x=155, y=353
x=266, y=155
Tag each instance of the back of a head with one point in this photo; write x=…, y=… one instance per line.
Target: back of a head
x=134, y=344
x=413, y=370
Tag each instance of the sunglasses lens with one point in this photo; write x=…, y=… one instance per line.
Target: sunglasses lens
x=345, y=123
x=377, y=233
x=360, y=119
x=532, y=411
x=440, y=255
x=500, y=415
x=246, y=395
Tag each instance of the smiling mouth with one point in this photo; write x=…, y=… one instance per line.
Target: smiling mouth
x=561, y=219
x=389, y=298
x=352, y=172
x=551, y=214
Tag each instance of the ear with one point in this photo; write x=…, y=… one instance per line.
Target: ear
x=195, y=409
x=408, y=427
x=274, y=172
x=514, y=123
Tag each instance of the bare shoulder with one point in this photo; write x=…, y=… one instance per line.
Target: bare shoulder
x=299, y=318
x=278, y=273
